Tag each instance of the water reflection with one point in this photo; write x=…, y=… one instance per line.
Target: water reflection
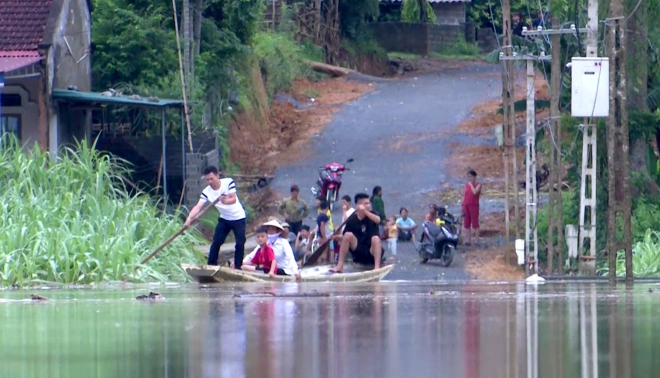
x=382, y=330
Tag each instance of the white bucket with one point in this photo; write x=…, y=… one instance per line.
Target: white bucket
x=520, y=251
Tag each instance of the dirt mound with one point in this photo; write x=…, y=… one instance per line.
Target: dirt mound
x=489, y=264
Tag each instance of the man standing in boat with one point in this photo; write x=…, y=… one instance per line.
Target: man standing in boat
x=361, y=236
x=232, y=214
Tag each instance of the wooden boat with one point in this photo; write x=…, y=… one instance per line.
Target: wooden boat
x=211, y=273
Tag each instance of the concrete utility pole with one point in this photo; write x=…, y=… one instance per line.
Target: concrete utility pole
x=508, y=126
x=531, y=194
x=587, y=263
x=618, y=159
x=555, y=200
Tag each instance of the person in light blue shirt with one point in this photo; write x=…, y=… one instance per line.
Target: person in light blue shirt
x=406, y=226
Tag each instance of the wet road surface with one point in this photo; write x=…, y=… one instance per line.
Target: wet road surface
x=395, y=135
x=383, y=330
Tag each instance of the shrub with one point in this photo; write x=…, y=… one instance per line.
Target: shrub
x=280, y=60
x=646, y=257
x=411, y=12
x=72, y=221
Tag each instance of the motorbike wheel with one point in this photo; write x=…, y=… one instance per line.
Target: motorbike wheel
x=423, y=260
x=447, y=256
x=330, y=197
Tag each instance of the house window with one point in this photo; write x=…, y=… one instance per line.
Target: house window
x=10, y=124
x=10, y=99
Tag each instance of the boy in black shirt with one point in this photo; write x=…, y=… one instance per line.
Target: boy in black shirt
x=361, y=236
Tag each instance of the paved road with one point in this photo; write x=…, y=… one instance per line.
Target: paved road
x=395, y=136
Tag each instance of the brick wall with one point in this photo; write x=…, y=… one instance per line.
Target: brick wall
x=421, y=39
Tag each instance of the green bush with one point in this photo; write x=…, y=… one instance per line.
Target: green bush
x=461, y=48
x=280, y=60
x=72, y=221
x=646, y=257
x=646, y=216
x=411, y=12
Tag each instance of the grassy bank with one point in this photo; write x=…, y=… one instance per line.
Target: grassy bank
x=72, y=221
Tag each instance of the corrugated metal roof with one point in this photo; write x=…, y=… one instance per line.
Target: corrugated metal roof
x=100, y=99
x=13, y=60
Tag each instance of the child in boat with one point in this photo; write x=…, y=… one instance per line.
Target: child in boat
x=392, y=233
x=264, y=258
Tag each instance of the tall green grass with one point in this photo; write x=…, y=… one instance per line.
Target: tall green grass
x=72, y=221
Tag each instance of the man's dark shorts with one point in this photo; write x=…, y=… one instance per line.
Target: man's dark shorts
x=362, y=255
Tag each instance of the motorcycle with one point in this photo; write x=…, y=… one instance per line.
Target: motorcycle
x=329, y=182
x=439, y=239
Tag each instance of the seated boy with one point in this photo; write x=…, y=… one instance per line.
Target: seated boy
x=264, y=256
x=301, y=246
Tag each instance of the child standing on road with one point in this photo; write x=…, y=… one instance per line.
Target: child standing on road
x=470, y=207
x=392, y=235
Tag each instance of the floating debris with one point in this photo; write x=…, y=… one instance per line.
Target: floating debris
x=151, y=297
x=36, y=297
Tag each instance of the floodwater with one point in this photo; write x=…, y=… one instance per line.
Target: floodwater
x=387, y=329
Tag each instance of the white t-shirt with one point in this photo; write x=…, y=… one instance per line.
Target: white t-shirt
x=231, y=212
x=284, y=256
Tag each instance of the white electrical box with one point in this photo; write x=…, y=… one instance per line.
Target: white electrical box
x=590, y=87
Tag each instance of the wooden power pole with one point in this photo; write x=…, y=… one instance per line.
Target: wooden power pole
x=509, y=119
x=555, y=212
x=618, y=160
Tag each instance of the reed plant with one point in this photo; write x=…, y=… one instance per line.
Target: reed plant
x=71, y=220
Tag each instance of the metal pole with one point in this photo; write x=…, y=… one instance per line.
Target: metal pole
x=164, y=133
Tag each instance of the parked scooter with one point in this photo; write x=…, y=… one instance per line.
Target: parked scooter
x=329, y=182
x=439, y=239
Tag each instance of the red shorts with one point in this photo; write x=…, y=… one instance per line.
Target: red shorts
x=471, y=219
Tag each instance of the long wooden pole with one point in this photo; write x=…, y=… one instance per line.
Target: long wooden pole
x=506, y=78
x=179, y=233
x=183, y=80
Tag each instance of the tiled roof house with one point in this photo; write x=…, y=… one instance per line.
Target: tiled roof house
x=44, y=45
